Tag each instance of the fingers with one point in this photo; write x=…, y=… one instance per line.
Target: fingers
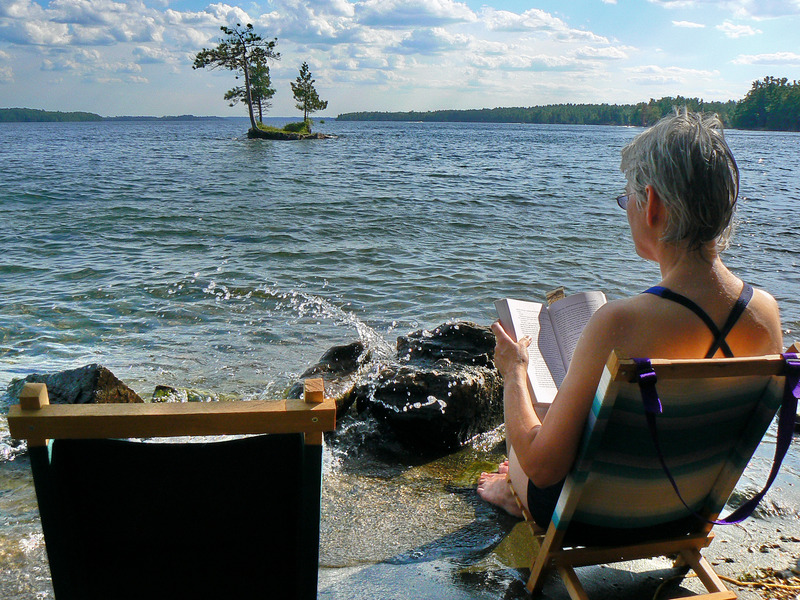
x=501, y=334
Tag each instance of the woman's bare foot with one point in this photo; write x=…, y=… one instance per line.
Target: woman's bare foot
x=503, y=467
x=493, y=487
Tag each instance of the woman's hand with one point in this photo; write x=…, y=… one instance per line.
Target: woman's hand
x=510, y=357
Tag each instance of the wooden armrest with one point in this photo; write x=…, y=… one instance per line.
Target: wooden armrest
x=35, y=420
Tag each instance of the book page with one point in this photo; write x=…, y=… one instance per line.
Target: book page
x=545, y=369
x=569, y=316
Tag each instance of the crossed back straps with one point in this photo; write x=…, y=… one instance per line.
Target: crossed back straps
x=719, y=342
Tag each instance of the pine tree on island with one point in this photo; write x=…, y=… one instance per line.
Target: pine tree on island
x=261, y=90
x=246, y=53
x=306, y=96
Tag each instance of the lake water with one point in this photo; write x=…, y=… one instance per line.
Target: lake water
x=182, y=253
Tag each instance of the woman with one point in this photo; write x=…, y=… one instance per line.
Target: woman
x=682, y=184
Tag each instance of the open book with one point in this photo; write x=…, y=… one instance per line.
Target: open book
x=555, y=330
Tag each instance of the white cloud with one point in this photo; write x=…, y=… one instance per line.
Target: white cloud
x=413, y=13
x=765, y=9
x=777, y=58
x=531, y=20
x=526, y=62
x=40, y=33
x=200, y=19
x=536, y=20
x=79, y=60
x=189, y=38
x=20, y=9
x=677, y=3
x=306, y=23
x=758, y=9
x=83, y=12
x=734, y=31
x=432, y=41
x=148, y=55
x=657, y=75
x=6, y=72
x=225, y=14
x=606, y=53
x=688, y=24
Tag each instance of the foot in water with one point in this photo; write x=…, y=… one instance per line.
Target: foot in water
x=493, y=487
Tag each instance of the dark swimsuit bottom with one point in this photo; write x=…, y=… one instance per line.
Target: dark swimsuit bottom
x=542, y=501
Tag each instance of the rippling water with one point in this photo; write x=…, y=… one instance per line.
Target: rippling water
x=182, y=253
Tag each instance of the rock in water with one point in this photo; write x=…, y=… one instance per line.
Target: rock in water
x=337, y=367
x=440, y=390
x=85, y=385
x=434, y=410
x=464, y=343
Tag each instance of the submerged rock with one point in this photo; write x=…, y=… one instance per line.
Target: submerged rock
x=338, y=368
x=167, y=393
x=90, y=384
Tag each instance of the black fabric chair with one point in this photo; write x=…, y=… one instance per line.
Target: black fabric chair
x=237, y=518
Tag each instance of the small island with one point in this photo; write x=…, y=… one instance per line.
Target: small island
x=247, y=54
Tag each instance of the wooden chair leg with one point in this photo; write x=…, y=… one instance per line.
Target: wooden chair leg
x=571, y=582
x=705, y=572
x=541, y=562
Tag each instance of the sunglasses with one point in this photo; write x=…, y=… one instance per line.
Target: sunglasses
x=622, y=201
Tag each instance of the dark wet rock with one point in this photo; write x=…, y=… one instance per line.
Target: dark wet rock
x=439, y=390
x=463, y=342
x=337, y=367
x=431, y=410
x=85, y=385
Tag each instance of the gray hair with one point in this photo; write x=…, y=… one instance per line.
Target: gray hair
x=687, y=161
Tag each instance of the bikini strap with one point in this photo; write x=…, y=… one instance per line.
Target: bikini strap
x=719, y=340
x=736, y=312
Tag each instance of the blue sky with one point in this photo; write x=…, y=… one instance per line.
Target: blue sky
x=134, y=57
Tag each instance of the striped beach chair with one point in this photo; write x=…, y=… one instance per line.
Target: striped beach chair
x=204, y=518
x=618, y=503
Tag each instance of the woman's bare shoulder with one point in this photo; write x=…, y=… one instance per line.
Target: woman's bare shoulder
x=763, y=322
x=617, y=317
x=613, y=326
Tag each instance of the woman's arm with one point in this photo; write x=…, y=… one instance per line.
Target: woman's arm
x=547, y=450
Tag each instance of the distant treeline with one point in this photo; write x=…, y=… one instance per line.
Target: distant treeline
x=31, y=115
x=770, y=104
